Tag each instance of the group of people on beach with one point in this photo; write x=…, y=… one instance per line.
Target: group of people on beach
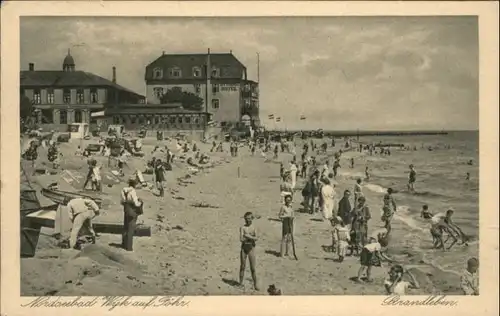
x=350, y=224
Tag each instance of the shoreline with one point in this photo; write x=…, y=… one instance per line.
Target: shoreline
x=197, y=255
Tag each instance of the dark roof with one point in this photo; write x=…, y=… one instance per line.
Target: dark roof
x=230, y=66
x=59, y=78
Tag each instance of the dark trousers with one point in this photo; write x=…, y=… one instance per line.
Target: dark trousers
x=129, y=225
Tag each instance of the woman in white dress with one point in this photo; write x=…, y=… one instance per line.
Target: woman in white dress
x=327, y=199
x=293, y=174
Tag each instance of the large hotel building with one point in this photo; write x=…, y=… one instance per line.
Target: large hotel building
x=71, y=96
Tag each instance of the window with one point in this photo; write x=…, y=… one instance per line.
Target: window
x=247, y=88
x=133, y=119
x=141, y=119
x=215, y=72
x=63, y=117
x=158, y=92
x=196, y=72
x=93, y=96
x=157, y=120
x=175, y=72
x=47, y=116
x=197, y=88
x=187, y=119
x=50, y=96
x=215, y=103
x=79, y=96
x=157, y=73
x=215, y=88
x=172, y=120
x=179, y=119
x=37, y=96
x=196, y=120
x=247, y=102
x=78, y=116
x=67, y=96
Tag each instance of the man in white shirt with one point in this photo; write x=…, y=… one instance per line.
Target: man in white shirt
x=81, y=212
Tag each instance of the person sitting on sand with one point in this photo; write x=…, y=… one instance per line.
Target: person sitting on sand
x=248, y=237
x=395, y=284
x=345, y=208
x=286, y=215
x=469, y=281
x=340, y=237
x=425, y=213
x=412, y=177
x=159, y=176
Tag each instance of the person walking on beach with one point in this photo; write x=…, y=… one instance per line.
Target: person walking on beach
x=336, y=165
x=367, y=174
x=358, y=190
x=276, y=151
x=412, y=177
x=159, y=176
x=361, y=217
x=248, y=238
x=326, y=170
x=345, y=208
x=132, y=208
x=286, y=186
x=327, y=201
x=395, y=284
x=469, y=281
x=286, y=215
x=352, y=162
x=387, y=214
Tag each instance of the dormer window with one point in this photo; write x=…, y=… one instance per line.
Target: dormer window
x=157, y=73
x=175, y=72
x=215, y=72
x=196, y=72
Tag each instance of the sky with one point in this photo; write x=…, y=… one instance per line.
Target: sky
x=342, y=73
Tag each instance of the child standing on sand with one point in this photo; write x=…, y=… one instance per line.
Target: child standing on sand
x=248, y=237
x=286, y=215
x=395, y=284
x=340, y=236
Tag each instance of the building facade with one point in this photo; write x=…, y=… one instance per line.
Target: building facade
x=66, y=96
x=220, y=80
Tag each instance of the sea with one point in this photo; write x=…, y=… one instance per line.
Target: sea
x=441, y=163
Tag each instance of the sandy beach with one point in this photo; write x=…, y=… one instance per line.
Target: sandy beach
x=194, y=250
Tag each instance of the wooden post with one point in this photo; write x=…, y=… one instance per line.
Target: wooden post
x=238, y=171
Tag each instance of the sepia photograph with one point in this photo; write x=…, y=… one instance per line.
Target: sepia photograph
x=249, y=155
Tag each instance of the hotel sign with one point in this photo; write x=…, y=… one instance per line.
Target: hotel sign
x=229, y=87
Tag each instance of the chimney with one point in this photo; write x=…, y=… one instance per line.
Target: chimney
x=32, y=67
x=114, y=75
x=231, y=51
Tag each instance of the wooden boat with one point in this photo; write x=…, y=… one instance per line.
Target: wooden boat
x=58, y=196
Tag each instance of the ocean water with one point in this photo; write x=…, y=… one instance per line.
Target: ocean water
x=441, y=184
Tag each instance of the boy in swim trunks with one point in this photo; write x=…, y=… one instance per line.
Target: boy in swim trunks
x=438, y=228
x=452, y=226
x=286, y=216
x=248, y=237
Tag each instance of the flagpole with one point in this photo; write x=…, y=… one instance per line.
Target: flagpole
x=258, y=67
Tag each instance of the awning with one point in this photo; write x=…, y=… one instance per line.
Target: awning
x=97, y=114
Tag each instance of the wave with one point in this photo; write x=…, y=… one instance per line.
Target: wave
x=375, y=188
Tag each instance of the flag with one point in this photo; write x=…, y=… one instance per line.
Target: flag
x=270, y=116
x=302, y=117
x=278, y=119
